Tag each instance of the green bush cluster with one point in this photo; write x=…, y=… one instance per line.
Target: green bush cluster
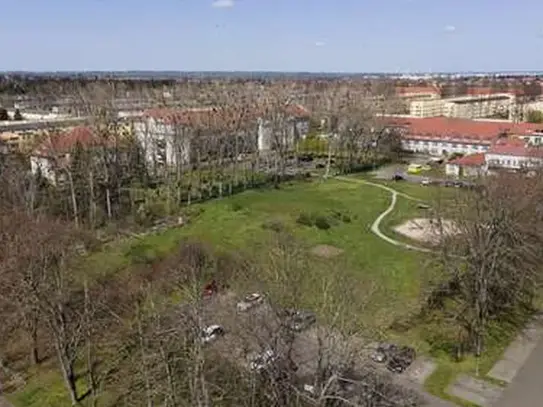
x=324, y=221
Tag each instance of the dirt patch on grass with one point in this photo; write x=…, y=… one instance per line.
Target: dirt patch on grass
x=426, y=230
x=326, y=251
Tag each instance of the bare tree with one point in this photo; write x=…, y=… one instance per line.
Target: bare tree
x=491, y=254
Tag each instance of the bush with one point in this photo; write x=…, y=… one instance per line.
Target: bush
x=344, y=217
x=322, y=222
x=236, y=206
x=305, y=219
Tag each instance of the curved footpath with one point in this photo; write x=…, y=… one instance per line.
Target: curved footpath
x=376, y=226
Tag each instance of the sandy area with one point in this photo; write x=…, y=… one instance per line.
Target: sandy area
x=425, y=230
x=326, y=251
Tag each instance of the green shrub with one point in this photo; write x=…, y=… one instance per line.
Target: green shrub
x=344, y=217
x=322, y=223
x=236, y=206
x=305, y=219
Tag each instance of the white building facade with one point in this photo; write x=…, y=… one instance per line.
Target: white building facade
x=513, y=161
x=444, y=146
x=167, y=142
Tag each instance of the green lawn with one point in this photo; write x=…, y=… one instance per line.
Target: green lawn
x=393, y=276
x=388, y=282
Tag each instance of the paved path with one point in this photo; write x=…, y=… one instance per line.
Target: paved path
x=518, y=352
x=526, y=388
x=376, y=226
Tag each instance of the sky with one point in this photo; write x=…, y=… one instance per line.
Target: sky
x=272, y=35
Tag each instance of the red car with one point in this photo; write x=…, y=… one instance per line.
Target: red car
x=210, y=289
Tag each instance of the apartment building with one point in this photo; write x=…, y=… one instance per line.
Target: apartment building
x=426, y=108
x=466, y=107
x=171, y=136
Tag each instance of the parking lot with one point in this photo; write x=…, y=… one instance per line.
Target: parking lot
x=261, y=327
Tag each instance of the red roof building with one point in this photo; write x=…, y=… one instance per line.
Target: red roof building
x=472, y=160
x=440, y=128
x=471, y=165
x=62, y=143
x=514, y=148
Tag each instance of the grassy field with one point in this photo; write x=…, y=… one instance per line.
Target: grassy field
x=236, y=224
x=388, y=281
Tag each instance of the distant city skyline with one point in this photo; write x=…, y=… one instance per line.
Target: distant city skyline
x=351, y=36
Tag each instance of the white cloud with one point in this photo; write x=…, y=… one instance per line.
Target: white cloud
x=223, y=3
x=320, y=44
x=450, y=28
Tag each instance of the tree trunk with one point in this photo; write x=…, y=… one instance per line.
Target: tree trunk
x=68, y=374
x=92, y=202
x=108, y=202
x=34, y=355
x=74, y=199
x=329, y=159
x=91, y=379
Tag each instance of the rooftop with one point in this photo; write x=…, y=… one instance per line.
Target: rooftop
x=456, y=128
x=472, y=160
x=515, y=147
x=479, y=98
x=65, y=142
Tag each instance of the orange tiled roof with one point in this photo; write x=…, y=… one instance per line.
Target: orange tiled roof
x=480, y=91
x=515, y=147
x=439, y=128
x=472, y=160
x=64, y=142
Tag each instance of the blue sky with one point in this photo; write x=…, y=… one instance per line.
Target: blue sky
x=272, y=35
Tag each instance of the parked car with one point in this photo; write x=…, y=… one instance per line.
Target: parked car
x=250, y=301
x=398, y=177
x=210, y=289
x=211, y=333
x=397, y=358
x=263, y=360
x=299, y=320
x=426, y=181
x=380, y=355
x=401, y=359
x=414, y=169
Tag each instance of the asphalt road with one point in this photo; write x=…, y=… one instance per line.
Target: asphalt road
x=526, y=390
x=387, y=172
